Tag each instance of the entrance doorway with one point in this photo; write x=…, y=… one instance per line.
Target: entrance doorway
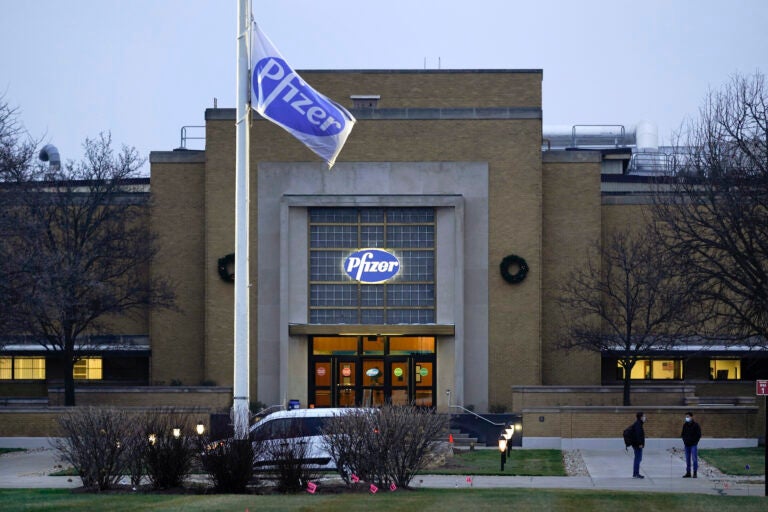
x=349, y=371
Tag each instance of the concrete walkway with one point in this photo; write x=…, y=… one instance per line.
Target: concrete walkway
x=608, y=470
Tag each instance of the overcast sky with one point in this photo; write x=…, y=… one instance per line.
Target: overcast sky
x=142, y=69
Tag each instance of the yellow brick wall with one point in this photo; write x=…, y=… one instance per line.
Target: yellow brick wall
x=571, y=227
x=663, y=422
x=177, y=336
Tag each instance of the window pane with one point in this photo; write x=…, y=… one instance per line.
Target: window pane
x=333, y=295
x=411, y=215
x=29, y=368
x=6, y=368
x=334, y=345
x=725, y=369
x=417, y=266
x=411, y=236
x=411, y=295
x=326, y=266
x=333, y=236
x=411, y=345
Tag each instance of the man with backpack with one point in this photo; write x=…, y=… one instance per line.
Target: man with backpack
x=634, y=436
x=691, y=436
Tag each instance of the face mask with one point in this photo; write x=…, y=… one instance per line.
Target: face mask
x=687, y=419
x=644, y=418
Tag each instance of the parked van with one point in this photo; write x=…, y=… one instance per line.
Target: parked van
x=300, y=427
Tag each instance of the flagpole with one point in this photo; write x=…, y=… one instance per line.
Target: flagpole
x=240, y=390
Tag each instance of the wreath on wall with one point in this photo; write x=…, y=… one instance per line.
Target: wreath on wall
x=227, y=268
x=522, y=269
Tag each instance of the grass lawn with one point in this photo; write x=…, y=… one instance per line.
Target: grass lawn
x=734, y=461
x=422, y=500
x=488, y=462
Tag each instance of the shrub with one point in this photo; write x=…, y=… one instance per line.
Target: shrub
x=288, y=454
x=168, y=458
x=94, y=444
x=383, y=446
x=229, y=464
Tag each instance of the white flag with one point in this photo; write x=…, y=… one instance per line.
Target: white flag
x=279, y=94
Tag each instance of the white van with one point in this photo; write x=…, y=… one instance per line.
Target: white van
x=303, y=426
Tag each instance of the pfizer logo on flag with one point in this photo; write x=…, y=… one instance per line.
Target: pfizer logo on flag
x=371, y=266
x=280, y=95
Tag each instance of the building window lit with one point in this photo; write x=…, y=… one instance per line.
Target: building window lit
x=87, y=368
x=22, y=368
x=335, y=298
x=6, y=368
x=725, y=369
x=654, y=369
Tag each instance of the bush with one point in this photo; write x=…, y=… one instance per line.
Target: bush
x=94, y=444
x=383, y=446
x=288, y=454
x=168, y=458
x=229, y=464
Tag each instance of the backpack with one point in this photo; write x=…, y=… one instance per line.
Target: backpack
x=629, y=436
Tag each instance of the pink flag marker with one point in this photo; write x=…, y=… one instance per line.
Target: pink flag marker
x=311, y=487
x=374, y=489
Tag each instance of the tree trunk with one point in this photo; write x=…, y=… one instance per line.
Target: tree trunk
x=627, y=383
x=69, y=382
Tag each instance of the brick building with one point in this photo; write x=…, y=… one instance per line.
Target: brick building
x=447, y=172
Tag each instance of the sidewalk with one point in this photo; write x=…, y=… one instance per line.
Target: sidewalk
x=608, y=470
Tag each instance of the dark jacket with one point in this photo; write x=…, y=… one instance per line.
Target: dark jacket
x=639, y=437
x=691, y=433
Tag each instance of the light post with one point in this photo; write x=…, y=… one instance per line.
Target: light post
x=508, y=432
x=503, y=450
x=200, y=428
x=176, y=433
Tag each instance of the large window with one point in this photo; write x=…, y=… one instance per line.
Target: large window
x=654, y=369
x=22, y=368
x=335, y=298
x=725, y=369
x=87, y=368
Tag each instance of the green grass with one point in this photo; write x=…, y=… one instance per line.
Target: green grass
x=519, y=462
x=9, y=450
x=422, y=500
x=733, y=461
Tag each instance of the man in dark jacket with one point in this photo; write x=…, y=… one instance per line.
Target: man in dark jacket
x=638, y=443
x=691, y=435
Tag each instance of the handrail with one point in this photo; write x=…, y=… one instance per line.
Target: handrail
x=185, y=137
x=481, y=417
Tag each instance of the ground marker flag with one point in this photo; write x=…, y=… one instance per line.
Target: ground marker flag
x=311, y=487
x=373, y=489
x=392, y=487
x=279, y=94
x=354, y=478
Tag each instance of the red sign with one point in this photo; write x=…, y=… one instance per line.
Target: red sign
x=346, y=371
x=320, y=371
x=762, y=387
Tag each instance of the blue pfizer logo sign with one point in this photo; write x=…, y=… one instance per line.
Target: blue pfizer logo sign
x=285, y=98
x=371, y=266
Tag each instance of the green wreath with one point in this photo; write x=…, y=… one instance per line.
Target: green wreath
x=518, y=276
x=227, y=268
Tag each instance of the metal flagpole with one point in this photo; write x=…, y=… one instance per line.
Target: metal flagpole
x=240, y=402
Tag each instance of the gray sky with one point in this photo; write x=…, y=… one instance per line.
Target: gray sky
x=144, y=68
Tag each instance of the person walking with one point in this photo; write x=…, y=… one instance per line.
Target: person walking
x=691, y=435
x=638, y=443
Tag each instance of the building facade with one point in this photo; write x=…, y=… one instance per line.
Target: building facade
x=423, y=268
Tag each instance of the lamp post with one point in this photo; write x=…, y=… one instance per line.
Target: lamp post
x=503, y=450
x=200, y=428
x=508, y=432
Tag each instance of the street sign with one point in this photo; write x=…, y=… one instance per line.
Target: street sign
x=762, y=387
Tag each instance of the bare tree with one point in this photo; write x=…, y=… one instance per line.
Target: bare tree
x=17, y=152
x=712, y=216
x=626, y=301
x=79, y=244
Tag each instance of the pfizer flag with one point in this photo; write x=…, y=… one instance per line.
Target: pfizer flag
x=279, y=94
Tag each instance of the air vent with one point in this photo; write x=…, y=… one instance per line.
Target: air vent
x=365, y=100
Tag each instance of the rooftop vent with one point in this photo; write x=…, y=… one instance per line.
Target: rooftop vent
x=365, y=100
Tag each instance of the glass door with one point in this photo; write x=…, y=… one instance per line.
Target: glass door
x=399, y=375
x=346, y=382
x=373, y=380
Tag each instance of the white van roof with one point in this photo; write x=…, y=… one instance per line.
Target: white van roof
x=320, y=412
